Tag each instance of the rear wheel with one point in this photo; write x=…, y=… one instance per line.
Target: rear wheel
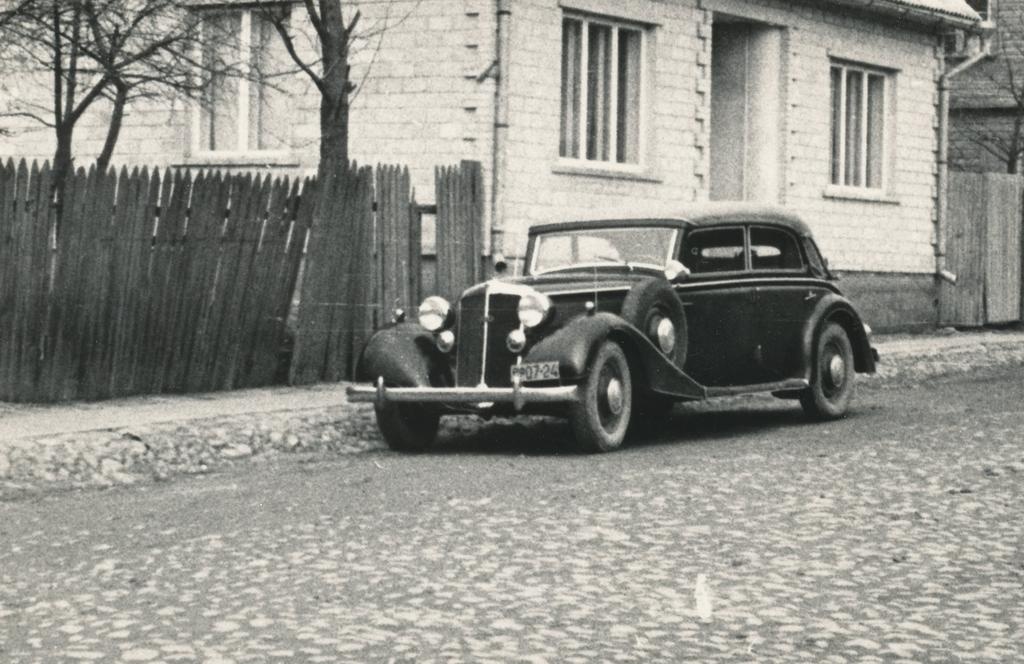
x=407, y=427
x=601, y=417
x=832, y=375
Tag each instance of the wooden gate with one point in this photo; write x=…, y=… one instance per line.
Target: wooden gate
x=983, y=250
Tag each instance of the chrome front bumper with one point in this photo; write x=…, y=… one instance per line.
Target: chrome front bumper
x=517, y=395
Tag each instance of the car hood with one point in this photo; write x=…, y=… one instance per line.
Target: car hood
x=569, y=282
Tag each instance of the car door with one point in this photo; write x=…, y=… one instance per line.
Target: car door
x=786, y=295
x=719, y=302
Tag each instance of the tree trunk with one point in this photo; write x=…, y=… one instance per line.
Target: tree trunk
x=334, y=97
x=62, y=163
x=113, y=129
x=333, y=133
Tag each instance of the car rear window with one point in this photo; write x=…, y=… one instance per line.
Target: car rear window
x=774, y=249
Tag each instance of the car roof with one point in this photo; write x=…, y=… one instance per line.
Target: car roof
x=701, y=214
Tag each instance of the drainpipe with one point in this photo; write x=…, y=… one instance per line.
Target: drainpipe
x=503, y=15
x=986, y=28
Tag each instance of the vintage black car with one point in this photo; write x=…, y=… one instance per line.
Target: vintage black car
x=616, y=320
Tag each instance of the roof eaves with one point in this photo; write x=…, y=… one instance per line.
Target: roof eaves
x=936, y=13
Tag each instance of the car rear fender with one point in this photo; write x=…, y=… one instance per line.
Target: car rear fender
x=574, y=345
x=405, y=355
x=836, y=308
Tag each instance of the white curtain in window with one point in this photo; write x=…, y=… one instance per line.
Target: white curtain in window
x=628, y=130
x=572, y=33
x=268, y=111
x=218, y=127
x=601, y=91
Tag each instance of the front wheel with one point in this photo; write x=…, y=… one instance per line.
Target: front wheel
x=407, y=427
x=832, y=375
x=601, y=417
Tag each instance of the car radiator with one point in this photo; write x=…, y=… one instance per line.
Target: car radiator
x=482, y=357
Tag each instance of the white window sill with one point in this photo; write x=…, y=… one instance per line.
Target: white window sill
x=237, y=159
x=598, y=169
x=860, y=194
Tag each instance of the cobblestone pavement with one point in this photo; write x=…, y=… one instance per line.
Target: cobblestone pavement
x=740, y=534
x=144, y=439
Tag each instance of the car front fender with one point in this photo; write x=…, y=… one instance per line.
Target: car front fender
x=573, y=346
x=405, y=355
x=837, y=308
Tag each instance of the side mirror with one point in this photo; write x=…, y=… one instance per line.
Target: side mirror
x=674, y=270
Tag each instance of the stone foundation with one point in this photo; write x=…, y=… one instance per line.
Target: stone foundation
x=891, y=301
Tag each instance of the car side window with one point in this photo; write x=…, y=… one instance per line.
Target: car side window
x=774, y=249
x=714, y=250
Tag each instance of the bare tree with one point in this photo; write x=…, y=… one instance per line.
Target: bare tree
x=999, y=132
x=991, y=113
x=329, y=69
x=335, y=40
x=118, y=50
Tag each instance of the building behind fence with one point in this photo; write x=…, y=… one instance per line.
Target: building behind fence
x=150, y=282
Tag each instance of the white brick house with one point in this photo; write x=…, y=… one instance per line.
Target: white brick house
x=637, y=107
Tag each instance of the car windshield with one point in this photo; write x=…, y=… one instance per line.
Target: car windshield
x=640, y=246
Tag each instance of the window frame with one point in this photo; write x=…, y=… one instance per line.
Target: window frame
x=717, y=274
x=888, y=78
x=241, y=151
x=582, y=163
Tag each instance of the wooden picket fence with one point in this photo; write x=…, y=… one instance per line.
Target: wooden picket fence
x=165, y=281
x=364, y=259
x=149, y=281
x=336, y=311
x=459, y=191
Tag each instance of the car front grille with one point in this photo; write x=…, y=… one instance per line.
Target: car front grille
x=475, y=358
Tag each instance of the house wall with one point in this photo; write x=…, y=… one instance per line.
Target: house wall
x=419, y=101
x=890, y=234
x=425, y=100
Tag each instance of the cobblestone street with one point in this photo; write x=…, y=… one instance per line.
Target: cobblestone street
x=739, y=534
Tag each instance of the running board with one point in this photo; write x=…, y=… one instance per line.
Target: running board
x=780, y=386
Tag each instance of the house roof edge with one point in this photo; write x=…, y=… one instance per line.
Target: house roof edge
x=937, y=13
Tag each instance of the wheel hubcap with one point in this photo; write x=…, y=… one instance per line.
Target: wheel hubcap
x=666, y=332
x=613, y=396
x=837, y=369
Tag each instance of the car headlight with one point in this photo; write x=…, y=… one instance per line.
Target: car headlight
x=534, y=308
x=435, y=313
x=445, y=341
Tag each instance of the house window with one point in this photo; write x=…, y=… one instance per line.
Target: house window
x=858, y=126
x=244, y=107
x=602, y=81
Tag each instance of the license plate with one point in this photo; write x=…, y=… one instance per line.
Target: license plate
x=534, y=371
